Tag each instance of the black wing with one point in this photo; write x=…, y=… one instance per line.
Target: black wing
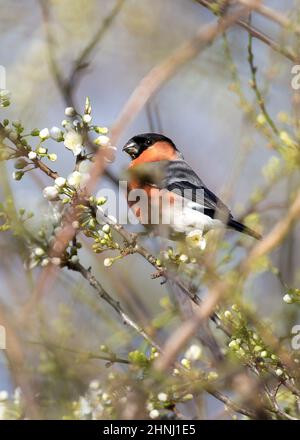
x=180, y=178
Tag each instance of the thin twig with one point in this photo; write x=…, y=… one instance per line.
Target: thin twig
x=230, y=404
x=271, y=14
x=154, y=80
x=66, y=86
x=86, y=273
x=81, y=62
x=182, y=335
x=254, y=85
x=256, y=33
x=111, y=358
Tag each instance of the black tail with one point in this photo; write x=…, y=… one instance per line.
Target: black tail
x=244, y=229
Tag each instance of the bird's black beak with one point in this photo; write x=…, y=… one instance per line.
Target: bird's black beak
x=132, y=149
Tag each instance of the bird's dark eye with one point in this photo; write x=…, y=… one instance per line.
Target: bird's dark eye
x=148, y=142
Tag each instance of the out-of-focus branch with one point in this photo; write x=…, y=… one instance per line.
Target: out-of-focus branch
x=55, y=70
x=161, y=73
x=68, y=232
x=81, y=62
x=110, y=358
x=259, y=35
x=230, y=404
x=259, y=96
x=16, y=358
x=274, y=406
x=62, y=240
x=86, y=273
x=131, y=240
x=275, y=237
x=67, y=86
x=203, y=313
x=181, y=336
x=271, y=14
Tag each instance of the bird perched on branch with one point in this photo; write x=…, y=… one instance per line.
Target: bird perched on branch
x=160, y=178
x=159, y=169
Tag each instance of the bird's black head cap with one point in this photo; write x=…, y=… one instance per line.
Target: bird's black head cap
x=137, y=144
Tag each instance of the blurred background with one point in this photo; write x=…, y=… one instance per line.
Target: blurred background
x=198, y=108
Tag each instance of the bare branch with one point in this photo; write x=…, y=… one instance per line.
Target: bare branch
x=77, y=267
x=161, y=73
x=259, y=35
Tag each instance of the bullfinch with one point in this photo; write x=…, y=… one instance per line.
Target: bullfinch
x=159, y=169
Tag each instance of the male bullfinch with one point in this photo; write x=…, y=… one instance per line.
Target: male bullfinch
x=159, y=169
x=158, y=165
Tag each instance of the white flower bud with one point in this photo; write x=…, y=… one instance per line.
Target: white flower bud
x=52, y=157
x=42, y=150
x=70, y=111
x=102, y=141
x=44, y=134
x=56, y=133
x=101, y=201
x=3, y=396
x=108, y=262
x=105, y=397
x=32, y=155
x=39, y=252
x=60, y=182
x=261, y=119
x=186, y=363
x=227, y=314
x=188, y=397
x=195, y=239
x=106, y=228
x=183, y=258
x=154, y=414
x=101, y=130
x=75, y=179
x=288, y=299
x=149, y=406
x=193, y=353
x=50, y=193
x=86, y=118
x=233, y=344
x=163, y=397
x=4, y=93
x=279, y=372
x=212, y=375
